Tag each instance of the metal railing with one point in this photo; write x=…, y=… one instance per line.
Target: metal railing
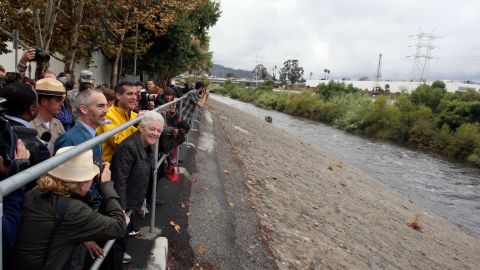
x=22, y=178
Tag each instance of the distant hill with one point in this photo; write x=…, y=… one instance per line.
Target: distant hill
x=221, y=71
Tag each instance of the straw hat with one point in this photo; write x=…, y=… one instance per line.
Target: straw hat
x=78, y=169
x=50, y=87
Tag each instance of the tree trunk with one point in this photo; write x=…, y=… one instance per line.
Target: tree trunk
x=77, y=15
x=164, y=78
x=118, y=51
x=116, y=61
x=53, y=8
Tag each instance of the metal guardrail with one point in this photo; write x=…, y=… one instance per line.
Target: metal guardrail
x=22, y=178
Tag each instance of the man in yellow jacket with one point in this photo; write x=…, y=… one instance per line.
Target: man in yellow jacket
x=120, y=113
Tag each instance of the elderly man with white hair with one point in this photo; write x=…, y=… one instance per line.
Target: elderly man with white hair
x=132, y=170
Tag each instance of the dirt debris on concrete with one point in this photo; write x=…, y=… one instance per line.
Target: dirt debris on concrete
x=318, y=213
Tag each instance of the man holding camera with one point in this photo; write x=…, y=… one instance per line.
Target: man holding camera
x=196, y=98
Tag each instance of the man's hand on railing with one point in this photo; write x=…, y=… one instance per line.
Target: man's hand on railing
x=106, y=173
x=93, y=249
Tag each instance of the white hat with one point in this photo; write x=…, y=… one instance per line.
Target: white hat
x=78, y=169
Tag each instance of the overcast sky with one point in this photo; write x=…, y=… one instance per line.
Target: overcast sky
x=346, y=36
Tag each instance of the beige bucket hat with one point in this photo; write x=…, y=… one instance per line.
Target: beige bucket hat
x=50, y=87
x=78, y=169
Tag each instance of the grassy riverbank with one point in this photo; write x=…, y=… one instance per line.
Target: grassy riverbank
x=429, y=118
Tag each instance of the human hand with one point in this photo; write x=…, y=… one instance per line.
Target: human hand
x=93, y=249
x=106, y=173
x=27, y=56
x=21, y=151
x=175, y=132
x=127, y=218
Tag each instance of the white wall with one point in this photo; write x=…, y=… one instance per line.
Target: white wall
x=398, y=86
x=100, y=67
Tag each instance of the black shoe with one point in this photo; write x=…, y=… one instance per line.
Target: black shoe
x=159, y=202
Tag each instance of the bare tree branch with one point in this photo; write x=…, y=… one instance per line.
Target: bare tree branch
x=9, y=34
x=109, y=30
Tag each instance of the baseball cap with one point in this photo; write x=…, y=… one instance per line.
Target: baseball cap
x=86, y=76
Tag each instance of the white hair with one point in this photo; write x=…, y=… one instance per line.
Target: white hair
x=151, y=116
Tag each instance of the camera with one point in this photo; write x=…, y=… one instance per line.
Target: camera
x=145, y=97
x=41, y=56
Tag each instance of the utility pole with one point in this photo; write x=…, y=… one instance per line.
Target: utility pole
x=423, y=54
x=15, y=47
x=379, y=73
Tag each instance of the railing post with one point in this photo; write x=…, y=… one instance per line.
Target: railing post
x=98, y=261
x=154, y=186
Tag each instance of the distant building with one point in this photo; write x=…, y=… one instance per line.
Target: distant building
x=400, y=86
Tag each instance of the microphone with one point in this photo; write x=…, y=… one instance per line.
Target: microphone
x=46, y=136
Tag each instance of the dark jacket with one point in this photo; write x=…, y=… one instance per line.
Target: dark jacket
x=132, y=169
x=38, y=150
x=81, y=224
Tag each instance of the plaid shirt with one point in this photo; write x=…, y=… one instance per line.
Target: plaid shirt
x=189, y=105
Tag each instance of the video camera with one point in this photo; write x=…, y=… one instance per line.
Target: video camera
x=145, y=97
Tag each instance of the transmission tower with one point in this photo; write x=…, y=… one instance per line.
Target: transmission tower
x=422, y=55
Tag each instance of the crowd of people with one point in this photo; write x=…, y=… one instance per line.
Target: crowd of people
x=61, y=220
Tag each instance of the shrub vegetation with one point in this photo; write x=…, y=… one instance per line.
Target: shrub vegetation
x=429, y=117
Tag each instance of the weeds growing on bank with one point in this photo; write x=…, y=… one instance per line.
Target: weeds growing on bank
x=429, y=118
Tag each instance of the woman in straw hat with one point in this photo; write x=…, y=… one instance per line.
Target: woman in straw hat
x=56, y=219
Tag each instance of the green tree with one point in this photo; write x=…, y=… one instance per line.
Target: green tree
x=428, y=96
x=260, y=72
x=185, y=45
x=230, y=75
x=439, y=84
x=291, y=72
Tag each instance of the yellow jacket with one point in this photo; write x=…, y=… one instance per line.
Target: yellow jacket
x=118, y=116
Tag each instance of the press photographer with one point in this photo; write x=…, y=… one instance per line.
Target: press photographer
x=147, y=101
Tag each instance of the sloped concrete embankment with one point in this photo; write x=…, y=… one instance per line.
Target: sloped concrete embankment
x=315, y=212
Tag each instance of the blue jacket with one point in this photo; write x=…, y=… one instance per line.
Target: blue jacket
x=75, y=136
